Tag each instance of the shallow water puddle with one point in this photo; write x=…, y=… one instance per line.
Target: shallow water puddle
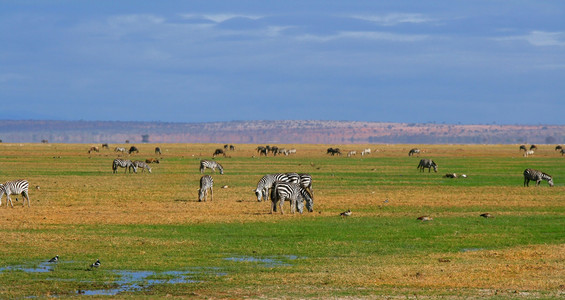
x=269, y=262
x=40, y=268
x=131, y=281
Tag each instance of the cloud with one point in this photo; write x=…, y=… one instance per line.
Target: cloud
x=539, y=38
x=365, y=35
x=394, y=19
x=219, y=18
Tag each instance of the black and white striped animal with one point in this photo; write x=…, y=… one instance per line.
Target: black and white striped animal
x=266, y=183
x=537, y=176
x=123, y=163
x=210, y=164
x=306, y=182
x=427, y=163
x=206, y=183
x=292, y=192
x=413, y=151
x=142, y=165
x=120, y=149
x=16, y=187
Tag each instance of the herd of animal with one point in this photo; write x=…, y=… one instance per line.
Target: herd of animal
x=279, y=187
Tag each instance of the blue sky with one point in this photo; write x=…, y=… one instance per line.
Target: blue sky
x=469, y=62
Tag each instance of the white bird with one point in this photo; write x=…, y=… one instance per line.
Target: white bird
x=96, y=264
x=425, y=218
x=346, y=213
x=54, y=259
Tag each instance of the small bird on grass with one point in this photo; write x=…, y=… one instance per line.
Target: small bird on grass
x=96, y=264
x=54, y=259
x=346, y=213
x=425, y=218
x=486, y=215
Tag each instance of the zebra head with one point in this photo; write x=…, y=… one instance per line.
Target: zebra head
x=201, y=193
x=309, y=200
x=434, y=165
x=259, y=194
x=550, y=181
x=221, y=169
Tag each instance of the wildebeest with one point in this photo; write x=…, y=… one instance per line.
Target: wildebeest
x=232, y=148
x=218, y=152
x=157, y=151
x=427, y=163
x=93, y=149
x=558, y=147
x=105, y=145
x=523, y=147
x=413, y=151
x=333, y=151
x=133, y=149
x=533, y=147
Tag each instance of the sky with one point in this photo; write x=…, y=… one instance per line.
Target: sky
x=451, y=61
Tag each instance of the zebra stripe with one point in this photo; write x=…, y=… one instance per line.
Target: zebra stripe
x=427, y=163
x=123, y=163
x=206, y=183
x=292, y=192
x=15, y=187
x=210, y=164
x=142, y=165
x=266, y=183
x=537, y=176
x=306, y=182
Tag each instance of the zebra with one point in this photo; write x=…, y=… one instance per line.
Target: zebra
x=538, y=176
x=266, y=183
x=293, y=177
x=206, y=183
x=157, y=151
x=414, y=151
x=528, y=153
x=306, y=182
x=292, y=151
x=120, y=149
x=210, y=164
x=16, y=187
x=562, y=152
x=142, y=165
x=366, y=151
x=123, y=163
x=427, y=163
x=293, y=192
x=351, y=153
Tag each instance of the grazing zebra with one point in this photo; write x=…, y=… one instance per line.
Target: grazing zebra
x=293, y=177
x=120, y=149
x=306, y=182
x=206, y=183
x=562, y=152
x=157, y=151
x=351, y=153
x=15, y=187
x=133, y=149
x=292, y=192
x=414, y=151
x=366, y=151
x=537, y=176
x=528, y=153
x=142, y=165
x=292, y=151
x=427, y=163
x=210, y=164
x=266, y=183
x=123, y=163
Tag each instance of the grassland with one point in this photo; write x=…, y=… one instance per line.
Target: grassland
x=232, y=247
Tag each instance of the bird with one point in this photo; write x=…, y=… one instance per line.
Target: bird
x=425, y=218
x=54, y=259
x=486, y=215
x=225, y=187
x=96, y=264
x=346, y=213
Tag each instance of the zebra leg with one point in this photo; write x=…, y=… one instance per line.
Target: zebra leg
x=211, y=193
x=26, y=196
x=9, y=200
x=526, y=181
x=281, y=204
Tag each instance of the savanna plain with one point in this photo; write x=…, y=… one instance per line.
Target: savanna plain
x=155, y=239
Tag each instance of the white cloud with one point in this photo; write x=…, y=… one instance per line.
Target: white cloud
x=219, y=18
x=366, y=35
x=539, y=38
x=394, y=18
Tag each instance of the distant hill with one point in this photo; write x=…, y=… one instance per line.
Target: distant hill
x=283, y=132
